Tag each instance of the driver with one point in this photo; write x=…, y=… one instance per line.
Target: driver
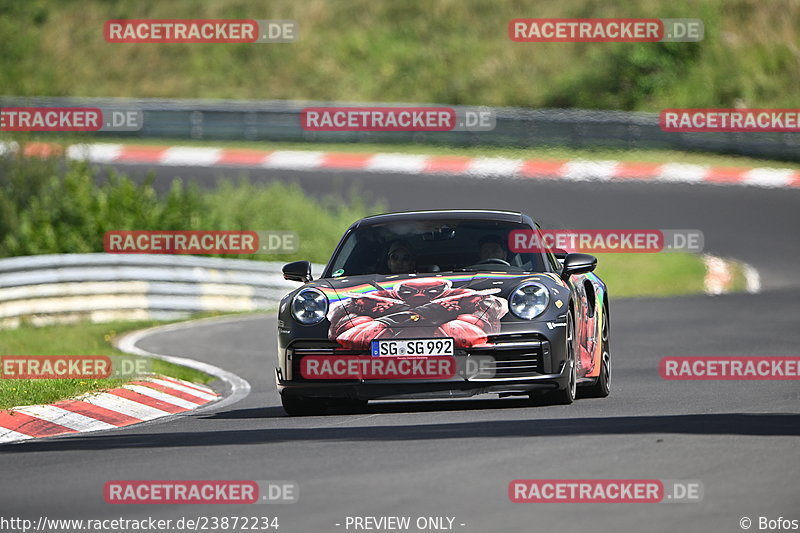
x=492, y=247
x=401, y=258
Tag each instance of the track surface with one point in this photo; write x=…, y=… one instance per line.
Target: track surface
x=456, y=458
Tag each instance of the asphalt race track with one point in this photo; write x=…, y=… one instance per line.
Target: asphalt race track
x=456, y=458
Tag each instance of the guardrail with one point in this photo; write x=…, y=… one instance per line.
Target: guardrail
x=45, y=289
x=276, y=120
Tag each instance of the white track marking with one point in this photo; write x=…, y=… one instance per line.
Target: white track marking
x=8, y=147
x=488, y=167
x=719, y=275
x=158, y=395
x=194, y=392
x=752, y=279
x=494, y=167
x=96, y=153
x=579, y=169
x=294, y=159
x=403, y=163
x=239, y=387
x=682, y=172
x=190, y=156
x=194, y=386
x=9, y=435
x=125, y=406
x=768, y=177
x=62, y=417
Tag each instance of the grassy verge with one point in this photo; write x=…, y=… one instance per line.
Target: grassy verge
x=542, y=152
x=450, y=51
x=640, y=275
x=81, y=339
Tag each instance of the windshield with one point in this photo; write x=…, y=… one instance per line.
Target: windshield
x=432, y=246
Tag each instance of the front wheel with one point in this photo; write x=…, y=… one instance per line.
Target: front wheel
x=566, y=395
x=301, y=406
x=346, y=405
x=304, y=406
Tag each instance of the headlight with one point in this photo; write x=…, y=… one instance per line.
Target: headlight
x=309, y=306
x=529, y=300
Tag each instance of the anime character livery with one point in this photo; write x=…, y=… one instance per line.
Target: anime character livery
x=468, y=316
x=446, y=280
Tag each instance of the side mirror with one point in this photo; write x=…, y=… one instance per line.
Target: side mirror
x=578, y=264
x=298, y=271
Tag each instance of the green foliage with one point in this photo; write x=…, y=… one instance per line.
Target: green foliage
x=448, y=51
x=619, y=77
x=82, y=339
x=56, y=206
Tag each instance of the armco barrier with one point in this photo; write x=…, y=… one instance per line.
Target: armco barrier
x=275, y=120
x=44, y=289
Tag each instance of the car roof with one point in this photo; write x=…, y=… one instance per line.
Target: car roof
x=468, y=214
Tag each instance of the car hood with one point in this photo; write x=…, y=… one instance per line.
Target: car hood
x=466, y=306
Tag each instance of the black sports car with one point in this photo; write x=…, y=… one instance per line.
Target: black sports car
x=436, y=304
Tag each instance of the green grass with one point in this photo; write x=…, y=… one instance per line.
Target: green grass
x=449, y=51
x=647, y=275
x=78, y=339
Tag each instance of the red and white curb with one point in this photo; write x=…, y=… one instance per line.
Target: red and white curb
x=149, y=399
x=480, y=167
x=719, y=277
x=132, y=403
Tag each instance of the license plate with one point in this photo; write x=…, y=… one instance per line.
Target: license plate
x=412, y=347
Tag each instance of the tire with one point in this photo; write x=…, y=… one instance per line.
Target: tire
x=567, y=395
x=602, y=386
x=302, y=406
x=346, y=405
x=539, y=399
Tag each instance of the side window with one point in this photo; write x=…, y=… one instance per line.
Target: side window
x=552, y=260
x=555, y=264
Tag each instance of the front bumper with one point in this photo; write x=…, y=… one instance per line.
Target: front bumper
x=524, y=363
x=418, y=389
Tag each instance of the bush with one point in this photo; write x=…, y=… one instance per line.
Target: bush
x=56, y=206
